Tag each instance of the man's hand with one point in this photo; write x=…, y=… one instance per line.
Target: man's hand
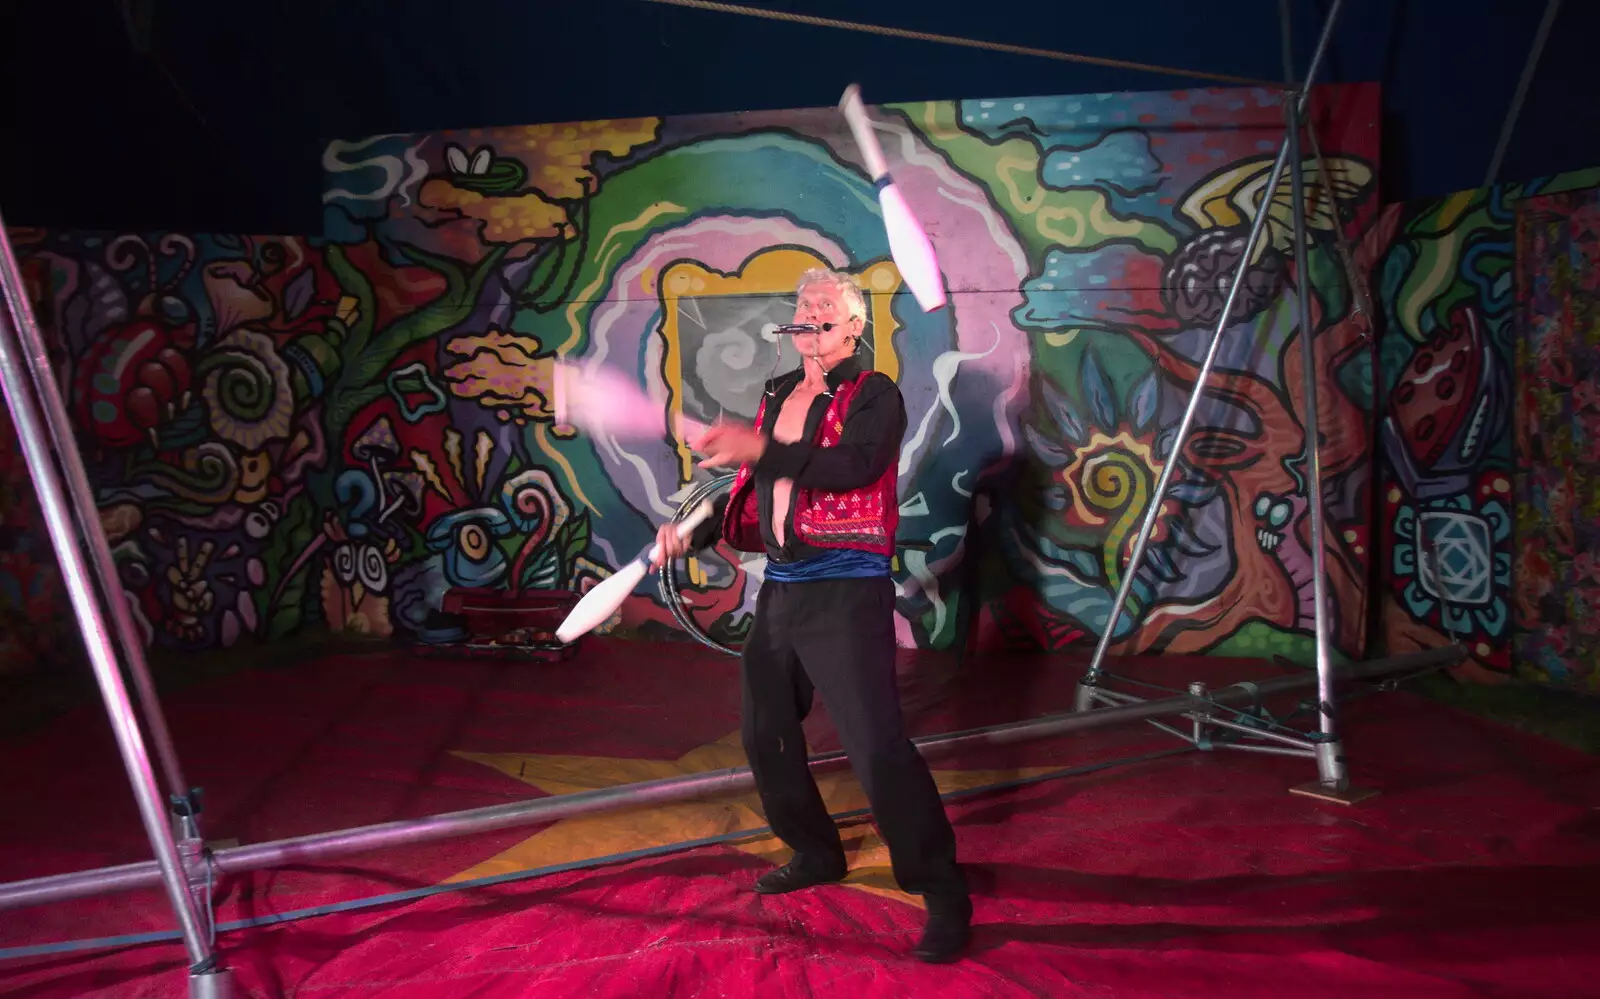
x=730, y=444
x=669, y=545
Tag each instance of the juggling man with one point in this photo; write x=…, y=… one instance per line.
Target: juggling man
x=816, y=492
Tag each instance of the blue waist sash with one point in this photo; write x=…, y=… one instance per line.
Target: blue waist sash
x=835, y=563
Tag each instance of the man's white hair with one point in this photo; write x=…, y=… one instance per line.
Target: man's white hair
x=855, y=303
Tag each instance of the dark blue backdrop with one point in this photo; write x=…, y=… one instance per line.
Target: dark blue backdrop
x=221, y=127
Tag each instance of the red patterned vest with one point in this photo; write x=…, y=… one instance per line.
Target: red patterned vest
x=864, y=518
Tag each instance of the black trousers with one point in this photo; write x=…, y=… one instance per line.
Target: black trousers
x=836, y=637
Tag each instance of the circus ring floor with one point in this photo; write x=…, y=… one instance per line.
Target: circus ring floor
x=1109, y=863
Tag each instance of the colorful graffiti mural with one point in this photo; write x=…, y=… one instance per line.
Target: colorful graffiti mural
x=32, y=630
x=1447, y=424
x=287, y=432
x=1558, y=415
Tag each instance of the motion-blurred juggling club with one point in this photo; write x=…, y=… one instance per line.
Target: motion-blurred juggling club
x=603, y=402
x=908, y=244
x=601, y=602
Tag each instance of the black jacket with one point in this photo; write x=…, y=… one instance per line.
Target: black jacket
x=874, y=426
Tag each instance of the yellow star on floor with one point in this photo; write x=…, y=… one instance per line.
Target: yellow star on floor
x=609, y=833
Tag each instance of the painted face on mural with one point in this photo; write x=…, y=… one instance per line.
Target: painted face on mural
x=821, y=304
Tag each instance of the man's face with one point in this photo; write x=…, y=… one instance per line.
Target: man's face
x=819, y=305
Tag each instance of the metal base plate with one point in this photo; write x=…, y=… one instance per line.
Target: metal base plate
x=1322, y=792
x=216, y=984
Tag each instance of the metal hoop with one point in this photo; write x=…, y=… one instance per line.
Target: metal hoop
x=668, y=573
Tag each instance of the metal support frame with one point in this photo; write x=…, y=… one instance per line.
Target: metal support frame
x=325, y=846
x=51, y=454
x=1508, y=127
x=1325, y=746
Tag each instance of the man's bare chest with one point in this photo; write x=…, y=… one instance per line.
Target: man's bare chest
x=791, y=425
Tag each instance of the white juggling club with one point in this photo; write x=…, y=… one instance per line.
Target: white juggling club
x=603, y=402
x=908, y=244
x=601, y=602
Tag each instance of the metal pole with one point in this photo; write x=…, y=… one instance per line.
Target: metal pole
x=1136, y=556
x=322, y=846
x=1201, y=721
x=1509, y=126
x=1347, y=258
x=1251, y=747
x=1313, y=434
x=54, y=410
x=31, y=434
x=1286, y=35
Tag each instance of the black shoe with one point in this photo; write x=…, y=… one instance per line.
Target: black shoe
x=947, y=932
x=791, y=878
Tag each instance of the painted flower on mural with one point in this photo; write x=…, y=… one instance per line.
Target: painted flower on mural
x=193, y=421
x=1450, y=561
x=1102, y=460
x=137, y=382
x=504, y=373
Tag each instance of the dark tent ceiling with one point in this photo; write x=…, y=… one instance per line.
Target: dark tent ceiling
x=207, y=115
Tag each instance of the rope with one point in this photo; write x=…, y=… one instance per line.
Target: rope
x=971, y=43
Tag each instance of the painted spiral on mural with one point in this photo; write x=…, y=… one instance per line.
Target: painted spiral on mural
x=207, y=474
x=1115, y=483
x=247, y=390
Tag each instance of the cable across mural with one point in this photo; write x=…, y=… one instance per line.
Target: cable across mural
x=290, y=433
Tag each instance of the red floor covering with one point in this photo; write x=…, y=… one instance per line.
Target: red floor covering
x=1475, y=872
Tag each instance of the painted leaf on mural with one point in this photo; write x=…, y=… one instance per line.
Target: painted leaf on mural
x=572, y=541
x=297, y=296
x=544, y=572
x=459, y=298
x=281, y=598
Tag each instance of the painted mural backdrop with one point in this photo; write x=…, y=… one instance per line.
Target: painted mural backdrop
x=32, y=599
x=288, y=433
x=1558, y=439
x=1447, y=425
